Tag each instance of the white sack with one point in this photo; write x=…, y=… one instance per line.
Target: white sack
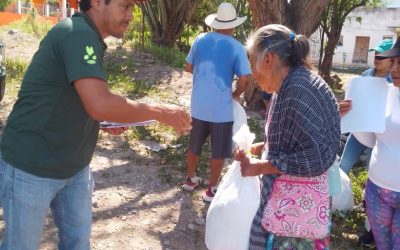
x=235, y=204
x=343, y=201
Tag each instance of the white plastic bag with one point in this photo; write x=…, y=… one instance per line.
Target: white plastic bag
x=239, y=118
x=344, y=200
x=235, y=204
x=335, y=183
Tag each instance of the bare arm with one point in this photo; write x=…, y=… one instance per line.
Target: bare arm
x=189, y=68
x=252, y=167
x=101, y=104
x=241, y=85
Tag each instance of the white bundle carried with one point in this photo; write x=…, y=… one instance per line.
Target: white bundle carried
x=344, y=200
x=239, y=117
x=234, y=206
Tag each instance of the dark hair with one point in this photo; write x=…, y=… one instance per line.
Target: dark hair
x=292, y=49
x=85, y=5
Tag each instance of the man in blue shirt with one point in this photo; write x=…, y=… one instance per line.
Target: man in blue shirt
x=214, y=59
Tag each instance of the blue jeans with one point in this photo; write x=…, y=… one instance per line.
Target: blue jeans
x=351, y=154
x=26, y=199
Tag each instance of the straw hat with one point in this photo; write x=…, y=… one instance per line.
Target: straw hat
x=225, y=18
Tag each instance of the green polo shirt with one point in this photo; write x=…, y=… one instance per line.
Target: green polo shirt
x=49, y=133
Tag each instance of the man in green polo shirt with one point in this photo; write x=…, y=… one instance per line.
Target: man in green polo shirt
x=52, y=131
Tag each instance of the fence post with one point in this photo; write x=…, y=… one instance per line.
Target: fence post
x=19, y=7
x=46, y=10
x=64, y=9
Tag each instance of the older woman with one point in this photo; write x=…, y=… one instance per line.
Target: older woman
x=382, y=192
x=302, y=131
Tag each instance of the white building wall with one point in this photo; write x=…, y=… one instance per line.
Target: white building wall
x=376, y=24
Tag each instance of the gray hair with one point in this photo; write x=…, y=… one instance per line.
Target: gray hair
x=292, y=49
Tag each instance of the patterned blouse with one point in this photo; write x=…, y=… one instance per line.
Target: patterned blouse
x=303, y=135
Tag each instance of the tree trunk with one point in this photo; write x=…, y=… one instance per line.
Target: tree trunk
x=321, y=48
x=167, y=19
x=337, y=12
x=264, y=12
x=326, y=66
x=301, y=16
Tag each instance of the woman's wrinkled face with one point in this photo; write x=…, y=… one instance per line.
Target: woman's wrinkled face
x=395, y=71
x=261, y=74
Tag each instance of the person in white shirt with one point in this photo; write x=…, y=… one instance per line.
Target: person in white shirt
x=383, y=185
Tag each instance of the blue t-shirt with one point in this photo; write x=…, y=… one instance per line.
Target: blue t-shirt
x=372, y=72
x=216, y=58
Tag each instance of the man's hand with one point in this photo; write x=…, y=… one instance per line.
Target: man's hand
x=177, y=118
x=344, y=107
x=115, y=131
x=102, y=105
x=189, y=68
x=241, y=85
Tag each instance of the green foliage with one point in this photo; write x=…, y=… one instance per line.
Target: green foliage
x=155, y=132
x=15, y=70
x=31, y=25
x=134, y=32
x=189, y=34
x=4, y=4
x=118, y=62
x=338, y=10
x=120, y=81
x=358, y=179
x=207, y=7
x=376, y=3
x=52, y=2
x=256, y=128
x=171, y=56
x=32, y=21
x=332, y=23
x=167, y=19
x=176, y=156
x=351, y=222
x=124, y=85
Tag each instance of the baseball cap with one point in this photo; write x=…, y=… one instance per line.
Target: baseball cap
x=394, y=52
x=383, y=45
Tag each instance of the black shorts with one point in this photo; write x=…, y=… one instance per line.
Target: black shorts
x=221, y=138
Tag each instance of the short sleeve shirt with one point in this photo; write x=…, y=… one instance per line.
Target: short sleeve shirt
x=372, y=72
x=48, y=132
x=216, y=59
